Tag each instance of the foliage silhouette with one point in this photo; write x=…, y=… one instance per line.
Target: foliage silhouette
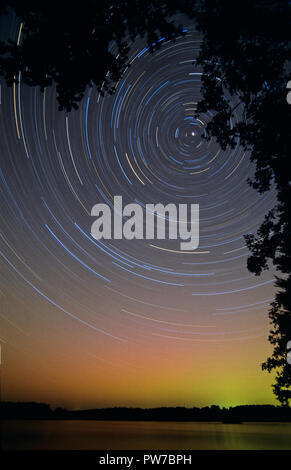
x=246, y=51
x=82, y=45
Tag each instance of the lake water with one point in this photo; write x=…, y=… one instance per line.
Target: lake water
x=130, y=435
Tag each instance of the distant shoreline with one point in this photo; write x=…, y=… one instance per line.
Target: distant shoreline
x=232, y=415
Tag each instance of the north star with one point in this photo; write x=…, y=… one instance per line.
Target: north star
x=111, y=460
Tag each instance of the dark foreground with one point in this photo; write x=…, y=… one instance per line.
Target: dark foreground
x=130, y=435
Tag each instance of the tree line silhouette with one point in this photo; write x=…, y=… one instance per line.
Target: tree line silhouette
x=236, y=414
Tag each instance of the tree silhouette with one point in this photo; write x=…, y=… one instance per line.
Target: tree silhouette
x=82, y=45
x=246, y=52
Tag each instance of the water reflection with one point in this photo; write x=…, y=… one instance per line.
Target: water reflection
x=122, y=435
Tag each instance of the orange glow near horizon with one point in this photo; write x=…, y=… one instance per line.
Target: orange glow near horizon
x=156, y=373
x=116, y=322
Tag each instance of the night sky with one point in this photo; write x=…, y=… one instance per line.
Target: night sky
x=115, y=322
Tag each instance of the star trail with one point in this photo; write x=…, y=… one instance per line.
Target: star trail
x=130, y=317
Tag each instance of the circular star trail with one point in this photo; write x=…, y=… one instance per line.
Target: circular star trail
x=145, y=144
